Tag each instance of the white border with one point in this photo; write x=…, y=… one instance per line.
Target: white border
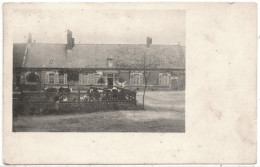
x=1, y=71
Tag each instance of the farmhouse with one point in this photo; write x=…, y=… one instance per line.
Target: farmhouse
x=42, y=65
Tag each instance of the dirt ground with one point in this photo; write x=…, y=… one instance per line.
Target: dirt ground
x=164, y=112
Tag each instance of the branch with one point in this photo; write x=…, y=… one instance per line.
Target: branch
x=146, y=78
x=144, y=60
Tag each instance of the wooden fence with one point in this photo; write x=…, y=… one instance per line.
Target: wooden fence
x=43, y=102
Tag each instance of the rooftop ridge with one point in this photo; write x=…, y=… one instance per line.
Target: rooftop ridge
x=102, y=44
x=84, y=55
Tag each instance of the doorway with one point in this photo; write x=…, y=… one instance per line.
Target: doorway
x=110, y=82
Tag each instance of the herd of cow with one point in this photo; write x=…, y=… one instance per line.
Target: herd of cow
x=91, y=94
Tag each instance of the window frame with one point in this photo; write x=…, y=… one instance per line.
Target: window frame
x=164, y=79
x=61, y=78
x=136, y=78
x=89, y=79
x=49, y=75
x=56, y=80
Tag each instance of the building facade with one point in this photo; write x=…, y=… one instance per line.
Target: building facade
x=40, y=66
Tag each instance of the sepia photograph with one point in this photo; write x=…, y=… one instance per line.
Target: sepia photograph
x=72, y=72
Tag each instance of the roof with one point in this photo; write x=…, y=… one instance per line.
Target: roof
x=95, y=55
x=18, y=53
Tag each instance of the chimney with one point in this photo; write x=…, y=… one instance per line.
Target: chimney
x=110, y=63
x=148, y=42
x=29, y=40
x=70, y=40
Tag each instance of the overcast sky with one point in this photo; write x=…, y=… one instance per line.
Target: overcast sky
x=100, y=26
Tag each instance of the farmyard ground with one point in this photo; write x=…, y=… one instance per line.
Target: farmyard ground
x=165, y=112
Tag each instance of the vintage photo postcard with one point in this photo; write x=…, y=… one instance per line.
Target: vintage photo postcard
x=129, y=83
x=92, y=80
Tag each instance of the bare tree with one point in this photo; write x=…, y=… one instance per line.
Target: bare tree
x=148, y=64
x=101, y=81
x=146, y=77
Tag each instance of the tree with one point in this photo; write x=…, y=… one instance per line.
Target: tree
x=146, y=76
x=121, y=81
x=101, y=81
x=62, y=71
x=148, y=64
x=73, y=75
x=32, y=77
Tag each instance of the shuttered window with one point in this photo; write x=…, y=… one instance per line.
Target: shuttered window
x=51, y=78
x=65, y=78
x=61, y=79
x=46, y=78
x=80, y=78
x=84, y=79
x=164, y=79
x=55, y=78
x=141, y=79
x=136, y=79
x=131, y=79
x=89, y=79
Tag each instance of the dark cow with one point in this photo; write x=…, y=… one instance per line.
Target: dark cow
x=64, y=91
x=121, y=94
x=115, y=93
x=50, y=92
x=107, y=94
x=93, y=94
x=53, y=92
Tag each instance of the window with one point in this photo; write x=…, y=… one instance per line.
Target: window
x=136, y=79
x=55, y=78
x=89, y=79
x=84, y=79
x=65, y=78
x=61, y=79
x=164, y=79
x=51, y=78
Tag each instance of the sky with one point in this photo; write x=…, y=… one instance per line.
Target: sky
x=102, y=26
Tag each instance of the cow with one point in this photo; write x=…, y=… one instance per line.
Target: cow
x=107, y=94
x=61, y=92
x=64, y=90
x=50, y=92
x=114, y=93
x=121, y=94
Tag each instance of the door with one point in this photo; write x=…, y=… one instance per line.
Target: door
x=174, y=84
x=110, y=82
